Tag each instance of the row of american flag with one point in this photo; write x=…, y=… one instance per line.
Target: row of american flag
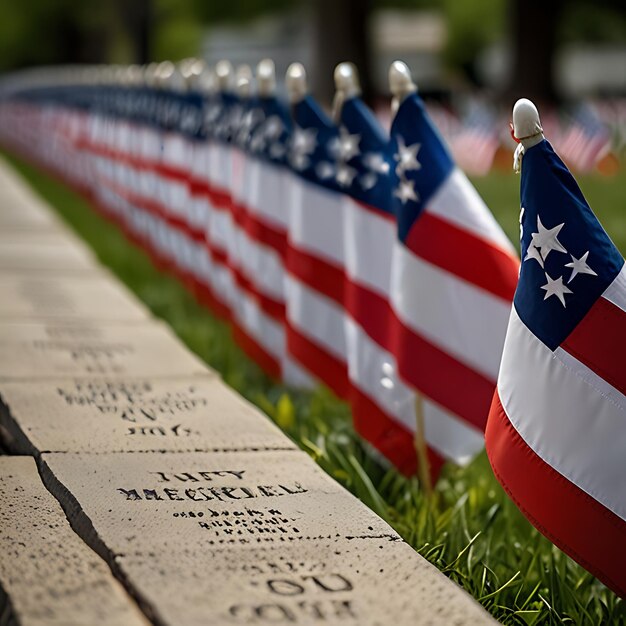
x=589, y=136
x=365, y=260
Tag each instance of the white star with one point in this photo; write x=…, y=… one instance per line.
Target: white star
x=368, y=181
x=273, y=127
x=533, y=253
x=325, y=170
x=546, y=239
x=521, y=224
x=556, y=288
x=302, y=144
x=257, y=143
x=212, y=113
x=406, y=191
x=248, y=122
x=277, y=150
x=407, y=157
x=375, y=162
x=345, y=174
x=579, y=266
x=304, y=140
x=346, y=146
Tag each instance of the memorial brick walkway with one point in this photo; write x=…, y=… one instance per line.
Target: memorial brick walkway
x=137, y=488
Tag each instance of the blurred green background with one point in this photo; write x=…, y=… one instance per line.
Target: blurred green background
x=547, y=50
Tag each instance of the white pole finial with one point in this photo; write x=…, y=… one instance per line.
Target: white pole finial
x=401, y=84
x=243, y=81
x=224, y=73
x=347, y=79
x=295, y=81
x=190, y=69
x=266, y=78
x=206, y=81
x=346, y=85
x=168, y=75
x=526, y=129
x=149, y=74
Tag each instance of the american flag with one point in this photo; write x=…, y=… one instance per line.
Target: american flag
x=315, y=250
x=453, y=277
x=475, y=140
x=556, y=435
x=585, y=140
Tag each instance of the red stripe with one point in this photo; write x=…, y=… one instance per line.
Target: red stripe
x=269, y=305
x=464, y=254
x=326, y=367
x=432, y=371
x=272, y=307
x=268, y=234
x=587, y=531
x=599, y=342
x=392, y=439
x=440, y=377
x=373, y=313
x=199, y=187
x=323, y=276
x=376, y=211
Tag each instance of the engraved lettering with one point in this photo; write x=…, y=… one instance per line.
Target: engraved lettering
x=172, y=494
x=284, y=587
x=151, y=494
x=331, y=582
x=130, y=494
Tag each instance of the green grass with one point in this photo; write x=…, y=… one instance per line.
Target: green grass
x=470, y=529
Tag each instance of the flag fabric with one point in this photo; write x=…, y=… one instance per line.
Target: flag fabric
x=585, y=141
x=315, y=251
x=383, y=407
x=453, y=277
x=337, y=252
x=260, y=230
x=476, y=140
x=556, y=436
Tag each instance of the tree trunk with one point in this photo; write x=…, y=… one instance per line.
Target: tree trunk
x=341, y=34
x=533, y=32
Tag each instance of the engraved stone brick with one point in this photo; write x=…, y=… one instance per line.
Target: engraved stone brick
x=139, y=415
x=249, y=538
x=50, y=576
x=90, y=297
x=30, y=351
x=44, y=253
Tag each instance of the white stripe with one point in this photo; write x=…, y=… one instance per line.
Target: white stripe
x=458, y=202
x=374, y=371
x=317, y=317
x=263, y=266
x=616, y=291
x=369, y=242
x=220, y=172
x=295, y=375
x=175, y=150
x=316, y=222
x=567, y=422
x=467, y=322
x=269, y=189
x=591, y=378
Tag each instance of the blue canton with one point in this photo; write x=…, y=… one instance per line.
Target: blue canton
x=421, y=162
x=362, y=157
x=568, y=260
x=311, y=136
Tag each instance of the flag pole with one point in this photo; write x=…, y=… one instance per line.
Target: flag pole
x=421, y=449
x=401, y=85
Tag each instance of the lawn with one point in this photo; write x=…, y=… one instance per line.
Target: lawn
x=469, y=529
